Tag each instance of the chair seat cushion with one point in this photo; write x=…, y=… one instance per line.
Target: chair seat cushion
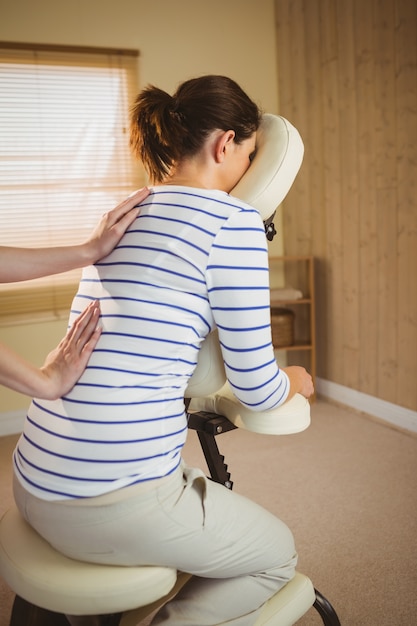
x=46, y=578
x=290, y=603
x=285, y=608
x=289, y=418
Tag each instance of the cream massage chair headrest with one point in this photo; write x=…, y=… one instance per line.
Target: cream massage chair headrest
x=278, y=157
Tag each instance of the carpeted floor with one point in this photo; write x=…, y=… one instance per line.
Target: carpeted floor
x=347, y=487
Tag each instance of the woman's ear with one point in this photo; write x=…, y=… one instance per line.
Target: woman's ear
x=224, y=140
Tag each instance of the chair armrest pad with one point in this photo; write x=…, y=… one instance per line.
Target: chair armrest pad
x=289, y=418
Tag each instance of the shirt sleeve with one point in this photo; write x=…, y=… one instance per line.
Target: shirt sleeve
x=238, y=289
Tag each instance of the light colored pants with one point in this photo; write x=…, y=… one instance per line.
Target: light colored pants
x=240, y=553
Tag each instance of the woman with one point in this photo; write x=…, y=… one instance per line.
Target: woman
x=99, y=472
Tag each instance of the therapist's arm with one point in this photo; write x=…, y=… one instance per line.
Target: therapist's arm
x=62, y=367
x=17, y=264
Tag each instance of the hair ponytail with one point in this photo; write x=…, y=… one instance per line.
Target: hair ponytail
x=155, y=131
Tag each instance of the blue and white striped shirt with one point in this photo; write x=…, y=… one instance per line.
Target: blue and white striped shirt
x=192, y=261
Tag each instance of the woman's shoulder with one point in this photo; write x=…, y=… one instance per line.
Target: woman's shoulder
x=199, y=198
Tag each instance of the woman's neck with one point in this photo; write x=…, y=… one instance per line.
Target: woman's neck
x=201, y=171
x=185, y=182
x=190, y=175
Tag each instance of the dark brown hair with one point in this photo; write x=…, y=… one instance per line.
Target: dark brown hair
x=166, y=129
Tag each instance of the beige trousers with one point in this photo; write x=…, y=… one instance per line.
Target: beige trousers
x=239, y=553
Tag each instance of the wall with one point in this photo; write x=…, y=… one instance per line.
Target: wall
x=348, y=81
x=177, y=40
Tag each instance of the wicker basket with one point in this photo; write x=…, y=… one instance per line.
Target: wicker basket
x=282, y=324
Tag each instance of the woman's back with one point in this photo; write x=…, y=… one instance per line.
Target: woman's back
x=161, y=292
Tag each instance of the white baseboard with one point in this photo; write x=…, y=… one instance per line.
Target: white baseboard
x=386, y=411
x=11, y=423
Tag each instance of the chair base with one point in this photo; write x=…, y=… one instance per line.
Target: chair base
x=26, y=614
x=326, y=610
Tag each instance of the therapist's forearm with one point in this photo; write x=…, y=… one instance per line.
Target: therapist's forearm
x=18, y=264
x=62, y=367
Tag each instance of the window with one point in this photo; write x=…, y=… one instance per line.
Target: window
x=64, y=154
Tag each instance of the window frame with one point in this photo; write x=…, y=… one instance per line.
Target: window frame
x=51, y=296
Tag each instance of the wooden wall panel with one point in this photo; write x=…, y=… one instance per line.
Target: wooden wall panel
x=406, y=150
x=348, y=114
x=367, y=202
x=348, y=81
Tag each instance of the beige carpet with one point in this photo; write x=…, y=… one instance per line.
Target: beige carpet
x=348, y=489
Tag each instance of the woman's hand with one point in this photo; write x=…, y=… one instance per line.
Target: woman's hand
x=112, y=226
x=300, y=381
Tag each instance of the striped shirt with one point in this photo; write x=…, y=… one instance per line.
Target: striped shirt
x=192, y=261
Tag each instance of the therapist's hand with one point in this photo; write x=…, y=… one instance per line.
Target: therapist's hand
x=112, y=227
x=65, y=364
x=62, y=367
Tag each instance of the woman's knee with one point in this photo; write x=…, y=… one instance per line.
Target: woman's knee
x=286, y=556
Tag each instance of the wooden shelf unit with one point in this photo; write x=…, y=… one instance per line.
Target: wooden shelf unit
x=298, y=273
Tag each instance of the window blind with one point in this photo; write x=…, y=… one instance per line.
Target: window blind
x=64, y=155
